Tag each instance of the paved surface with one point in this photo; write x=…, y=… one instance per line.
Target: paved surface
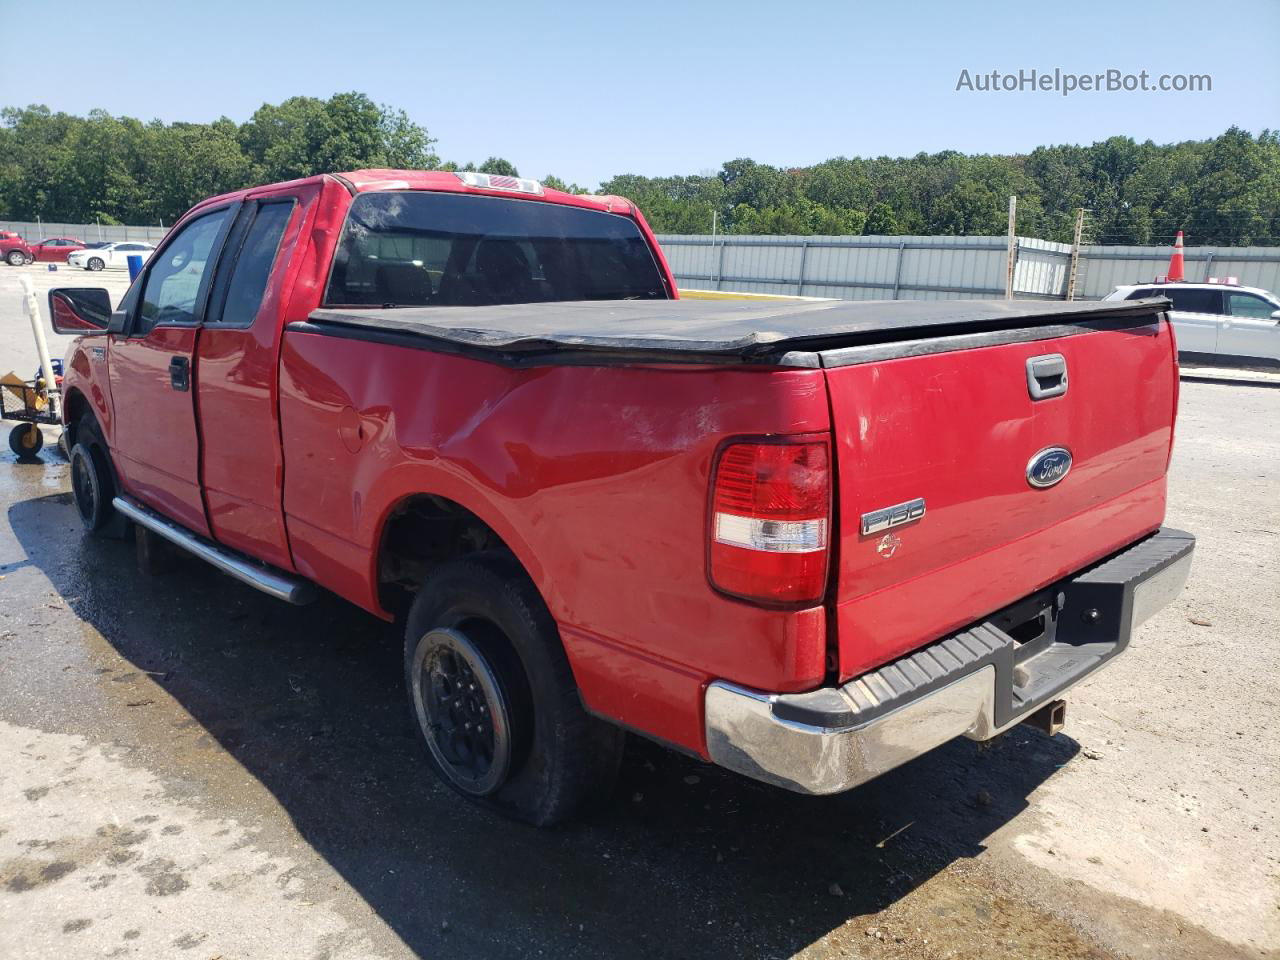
x=190, y=769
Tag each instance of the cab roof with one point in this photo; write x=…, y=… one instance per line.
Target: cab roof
x=375, y=179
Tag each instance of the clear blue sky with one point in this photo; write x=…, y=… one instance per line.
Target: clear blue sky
x=587, y=90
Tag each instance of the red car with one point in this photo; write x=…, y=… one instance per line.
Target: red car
x=804, y=540
x=55, y=249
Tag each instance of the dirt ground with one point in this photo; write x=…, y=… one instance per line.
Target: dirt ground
x=191, y=769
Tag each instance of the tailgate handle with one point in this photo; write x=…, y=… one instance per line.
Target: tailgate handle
x=1047, y=376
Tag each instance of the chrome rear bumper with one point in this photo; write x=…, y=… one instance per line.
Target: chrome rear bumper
x=975, y=683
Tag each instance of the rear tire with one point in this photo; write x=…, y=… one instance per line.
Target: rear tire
x=26, y=440
x=95, y=263
x=493, y=698
x=93, y=484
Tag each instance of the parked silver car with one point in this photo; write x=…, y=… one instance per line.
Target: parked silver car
x=1222, y=320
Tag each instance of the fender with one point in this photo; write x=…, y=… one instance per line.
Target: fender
x=84, y=376
x=413, y=479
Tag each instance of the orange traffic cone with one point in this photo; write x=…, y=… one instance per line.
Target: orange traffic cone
x=1175, y=261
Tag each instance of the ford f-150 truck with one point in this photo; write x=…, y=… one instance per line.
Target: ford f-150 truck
x=807, y=540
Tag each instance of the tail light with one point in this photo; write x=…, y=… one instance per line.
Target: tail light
x=771, y=521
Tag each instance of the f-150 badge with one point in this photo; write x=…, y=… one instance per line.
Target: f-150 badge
x=1048, y=466
x=894, y=516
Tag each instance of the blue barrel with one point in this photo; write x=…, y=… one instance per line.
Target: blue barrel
x=135, y=266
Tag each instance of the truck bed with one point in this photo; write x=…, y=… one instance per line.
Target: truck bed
x=828, y=333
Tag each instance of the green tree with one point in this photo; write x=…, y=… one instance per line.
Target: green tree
x=121, y=169
x=304, y=136
x=499, y=167
x=880, y=221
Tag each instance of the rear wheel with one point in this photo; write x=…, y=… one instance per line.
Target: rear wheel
x=95, y=263
x=493, y=698
x=16, y=258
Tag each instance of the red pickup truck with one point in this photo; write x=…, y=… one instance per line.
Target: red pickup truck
x=807, y=541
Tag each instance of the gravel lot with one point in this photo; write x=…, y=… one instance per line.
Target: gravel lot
x=188, y=768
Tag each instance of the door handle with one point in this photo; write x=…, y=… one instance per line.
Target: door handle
x=180, y=373
x=1047, y=376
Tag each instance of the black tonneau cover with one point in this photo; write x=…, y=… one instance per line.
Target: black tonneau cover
x=802, y=333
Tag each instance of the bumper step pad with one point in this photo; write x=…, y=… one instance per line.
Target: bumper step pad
x=1093, y=612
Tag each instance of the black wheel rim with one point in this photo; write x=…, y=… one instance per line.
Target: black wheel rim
x=463, y=711
x=83, y=487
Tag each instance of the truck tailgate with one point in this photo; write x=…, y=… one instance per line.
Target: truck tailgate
x=956, y=426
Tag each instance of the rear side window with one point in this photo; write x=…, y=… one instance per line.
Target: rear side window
x=442, y=249
x=253, y=266
x=1141, y=294
x=1195, y=301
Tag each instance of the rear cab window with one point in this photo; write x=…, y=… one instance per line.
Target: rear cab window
x=444, y=249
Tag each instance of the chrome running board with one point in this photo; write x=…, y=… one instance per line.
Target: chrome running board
x=270, y=580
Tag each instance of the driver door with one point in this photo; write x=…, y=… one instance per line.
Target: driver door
x=155, y=439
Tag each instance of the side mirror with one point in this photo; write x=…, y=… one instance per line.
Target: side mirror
x=79, y=310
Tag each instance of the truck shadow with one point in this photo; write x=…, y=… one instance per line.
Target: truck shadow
x=687, y=860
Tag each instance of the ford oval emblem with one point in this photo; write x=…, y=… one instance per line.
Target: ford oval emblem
x=1048, y=466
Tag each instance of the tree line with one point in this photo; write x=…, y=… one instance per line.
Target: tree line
x=1224, y=190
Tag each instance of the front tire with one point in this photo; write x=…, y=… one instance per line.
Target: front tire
x=93, y=485
x=95, y=263
x=493, y=698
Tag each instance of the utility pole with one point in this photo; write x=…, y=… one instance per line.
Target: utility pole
x=1075, y=254
x=1013, y=247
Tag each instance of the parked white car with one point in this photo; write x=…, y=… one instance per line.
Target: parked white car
x=1217, y=319
x=110, y=255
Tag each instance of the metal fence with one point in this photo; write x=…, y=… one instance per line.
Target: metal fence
x=937, y=268
x=875, y=268
x=32, y=231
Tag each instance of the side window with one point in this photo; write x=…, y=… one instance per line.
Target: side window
x=253, y=266
x=1141, y=294
x=1248, y=305
x=1196, y=301
x=176, y=278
